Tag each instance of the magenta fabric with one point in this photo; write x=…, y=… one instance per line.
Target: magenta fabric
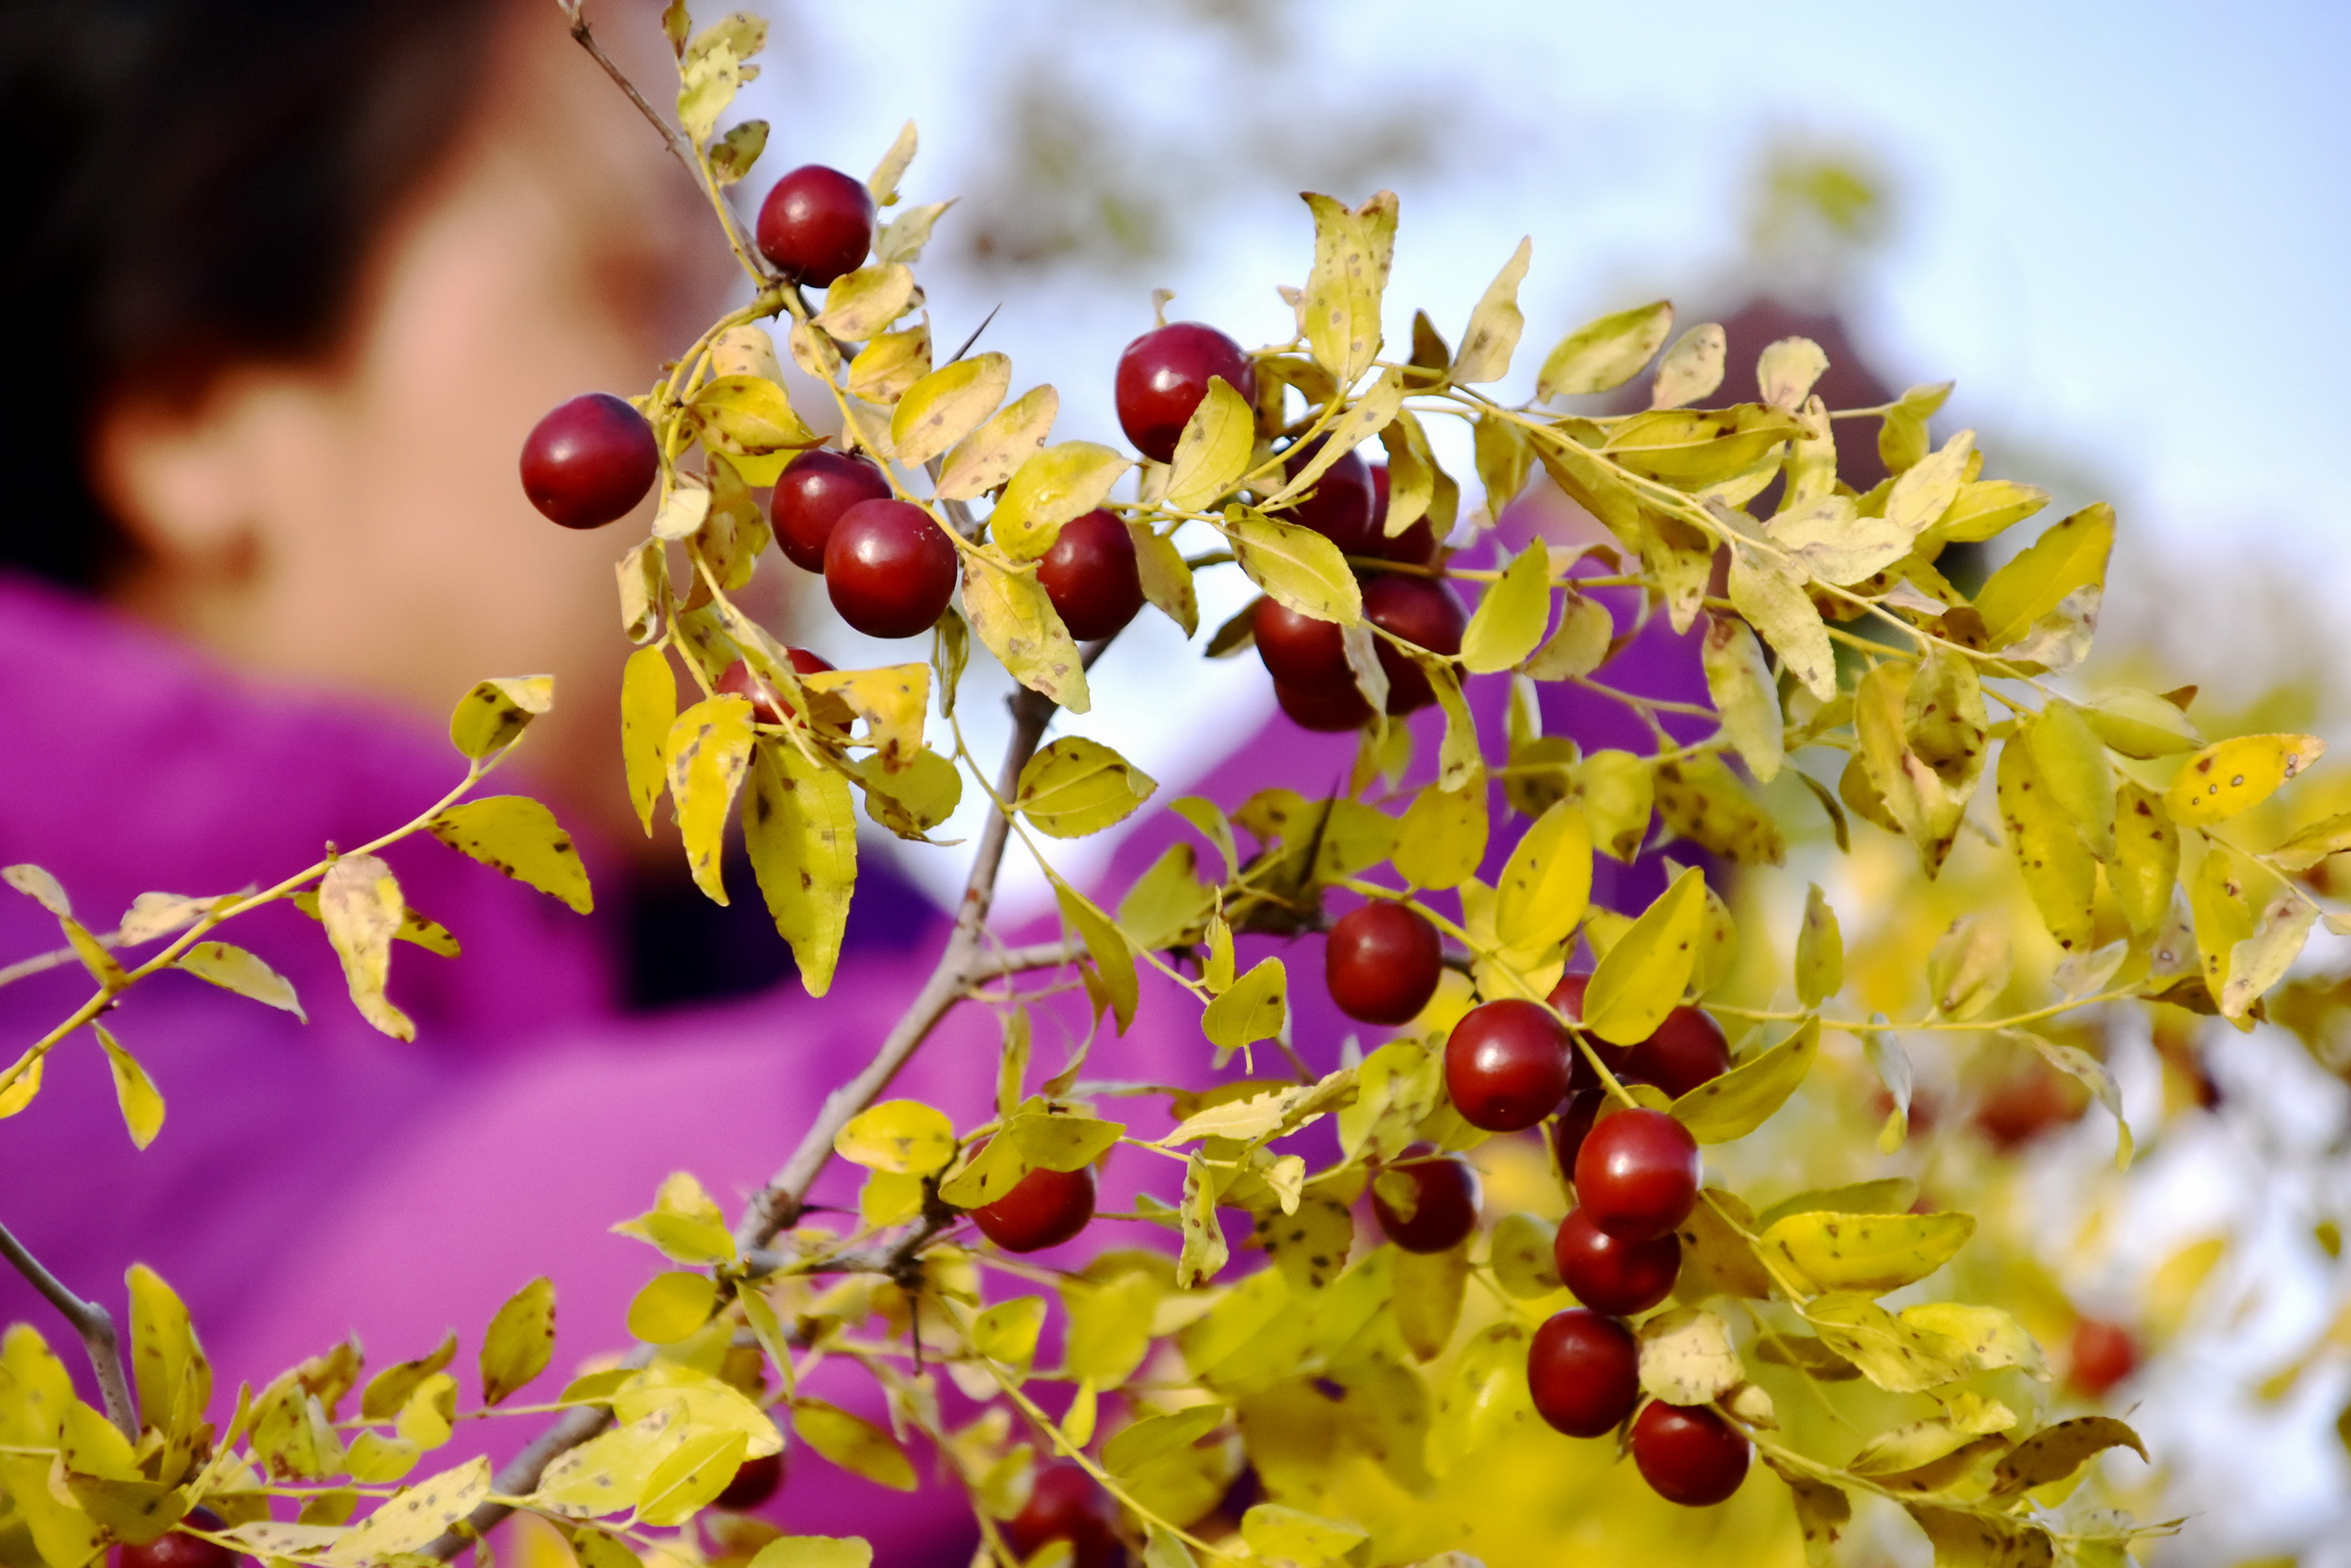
x=322, y=1179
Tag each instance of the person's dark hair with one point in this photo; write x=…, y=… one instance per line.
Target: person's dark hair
x=188, y=184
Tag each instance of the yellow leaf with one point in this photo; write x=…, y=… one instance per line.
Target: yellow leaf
x=519, y=1342
x=672, y=1306
x=1283, y=1536
x=1300, y=568
x=1914, y=1444
x=1007, y=1332
x=174, y=1380
x=1045, y=492
x=2056, y=865
x=1926, y=490
x=518, y=837
x=2146, y=858
x=1834, y=543
x=750, y=416
x=892, y=700
x=2261, y=960
x=1983, y=509
x=708, y=750
x=1075, y=787
x=1018, y=623
x=1742, y=692
x=2216, y=901
x=1492, y=335
x=1579, y=644
x=691, y=1478
x=801, y=839
x=1607, y=353
x=1702, y=800
x=905, y=1137
x=1618, y=790
x=1341, y=308
x=2071, y=555
x=359, y=904
x=1687, y=1359
x=1692, y=368
x=947, y=404
x=893, y=363
x=1776, y=605
x=1213, y=450
x=1442, y=837
x=684, y=1223
x=814, y=1552
x=1896, y=1354
x=886, y=1199
x=608, y=1474
x=233, y=969
x=1512, y=615
x=1484, y=1398
x=912, y=802
x=1787, y=370
x=862, y=304
x=417, y=1514
x=494, y=712
x=1255, y=1008
x=1867, y=1253
x=2072, y=764
x=992, y=453
x=1114, y=961
x=2236, y=775
x=649, y=706
x=1644, y=976
x=2141, y=724
x=1547, y=881
x=1167, y=580
x=1739, y=1100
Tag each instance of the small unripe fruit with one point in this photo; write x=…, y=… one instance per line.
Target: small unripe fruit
x=1689, y=1455
x=1064, y=1503
x=1164, y=374
x=590, y=462
x=1636, y=1177
x=1091, y=576
x=813, y=491
x=816, y=224
x=888, y=568
x=1583, y=1371
x=1383, y=963
x=1338, y=504
x=2103, y=1354
x=179, y=1550
x=1614, y=1276
x=1505, y=1064
x=753, y=1483
x=1299, y=650
x=1043, y=1208
x=1444, y=1205
x=1325, y=710
x=1425, y=613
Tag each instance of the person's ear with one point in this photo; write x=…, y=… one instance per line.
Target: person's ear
x=189, y=480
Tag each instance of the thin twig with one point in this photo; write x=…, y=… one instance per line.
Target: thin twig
x=93, y=1323
x=586, y=38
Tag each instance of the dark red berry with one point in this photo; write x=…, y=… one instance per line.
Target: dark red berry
x=2031, y=1100
x=1299, y=650
x=1636, y=1177
x=1688, y=1050
x=590, y=462
x=1425, y=613
x=1326, y=710
x=1383, y=963
x=1338, y=504
x=1584, y=1371
x=753, y=1483
x=1505, y=1064
x=888, y=568
x=1445, y=1202
x=772, y=705
x=1568, y=997
x=1064, y=1503
x=813, y=491
x=1043, y=1208
x=1091, y=577
x=1165, y=373
x=177, y=1549
x=1613, y=1276
x=1416, y=546
x=816, y=224
x=1573, y=1124
x=2103, y=1354
x=1689, y=1455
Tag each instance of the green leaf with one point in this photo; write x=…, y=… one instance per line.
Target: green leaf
x=520, y=837
x=494, y=712
x=855, y=1445
x=359, y=904
x=1607, y=353
x=903, y=1136
x=1255, y=1008
x=1512, y=616
x=1300, y=568
x=1871, y=1253
x=1213, y=452
x=1644, y=976
x=519, y=1342
x=1353, y=248
x=992, y=453
x=1739, y=1100
x=671, y=1306
x=1057, y=484
x=800, y=834
x=947, y=404
x=233, y=969
x=1013, y=616
x=1547, y=883
x=1492, y=335
x=2070, y=556
x=1075, y=787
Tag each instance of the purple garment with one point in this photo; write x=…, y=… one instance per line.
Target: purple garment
x=322, y=1179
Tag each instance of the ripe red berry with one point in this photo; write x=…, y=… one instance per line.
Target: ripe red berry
x=1165, y=373
x=1635, y=1176
x=1383, y=963
x=1064, y=1503
x=1687, y=1050
x=1298, y=649
x=1613, y=1276
x=1584, y=1372
x=2103, y=1354
x=888, y=568
x=1573, y=1123
x=1445, y=1202
x=177, y=1549
x=1338, y=504
x=1091, y=576
x=753, y=1483
x=2032, y=1099
x=1505, y=1064
x=1043, y=1208
x=1423, y=612
x=816, y=224
x=1689, y=1455
x=813, y=491
x=1326, y=709
x=1568, y=997
x=771, y=705
x=1416, y=546
x=590, y=462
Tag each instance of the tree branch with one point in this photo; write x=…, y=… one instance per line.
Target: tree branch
x=93, y=1323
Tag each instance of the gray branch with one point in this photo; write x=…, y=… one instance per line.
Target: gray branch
x=93, y=1323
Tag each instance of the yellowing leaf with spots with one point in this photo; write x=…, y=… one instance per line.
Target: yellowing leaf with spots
x=1743, y=692
x=2147, y=857
x=1075, y=787
x=1010, y=437
x=1282, y=1537
x=1607, y=353
x=1049, y=489
x=517, y=836
x=141, y=1103
x=1442, y=836
x=1738, y=1101
x=1686, y=1358
x=1896, y=1354
x=1492, y=335
x=892, y=700
x=359, y=904
x=800, y=831
x=1644, y=976
x=496, y=712
x=1213, y=450
x=1013, y=618
x=233, y=969
x=855, y=1445
x=2058, y=870
x=1702, y=800
x=649, y=706
x=1255, y=1008
x=2237, y=775
x=1547, y=883
x=415, y=1515
x=946, y=405
x=691, y=1478
x=903, y=1136
x=708, y=750
x=1352, y=250
x=1868, y=1253
x=519, y=1342
x=1297, y=566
